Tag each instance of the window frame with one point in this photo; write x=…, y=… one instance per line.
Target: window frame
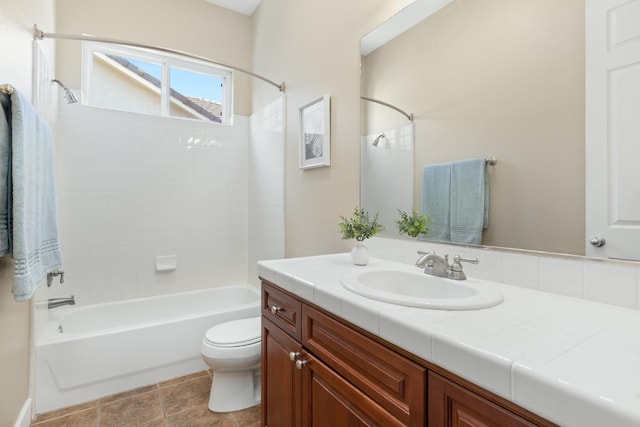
x=166, y=61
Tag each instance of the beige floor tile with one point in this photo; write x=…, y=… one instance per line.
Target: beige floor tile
x=136, y=410
x=249, y=417
x=186, y=378
x=64, y=411
x=156, y=423
x=86, y=418
x=201, y=417
x=186, y=395
x=179, y=402
x=128, y=394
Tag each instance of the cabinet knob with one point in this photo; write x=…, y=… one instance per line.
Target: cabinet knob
x=301, y=363
x=597, y=241
x=275, y=309
x=294, y=355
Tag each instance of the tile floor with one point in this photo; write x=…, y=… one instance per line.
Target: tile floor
x=178, y=402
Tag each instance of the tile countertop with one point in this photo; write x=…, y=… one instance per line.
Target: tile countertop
x=572, y=361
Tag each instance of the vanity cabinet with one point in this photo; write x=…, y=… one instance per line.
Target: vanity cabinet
x=319, y=371
x=451, y=405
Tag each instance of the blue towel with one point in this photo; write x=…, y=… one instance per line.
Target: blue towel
x=35, y=246
x=436, y=193
x=469, y=200
x=5, y=173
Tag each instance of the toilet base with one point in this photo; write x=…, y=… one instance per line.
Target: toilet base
x=233, y=391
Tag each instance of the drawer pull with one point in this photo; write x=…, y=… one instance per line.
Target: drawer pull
x=293, y=356
x=301, y=363
x=275, y=309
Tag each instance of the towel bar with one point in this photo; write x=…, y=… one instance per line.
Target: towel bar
x=491, y=160
x=8, y=89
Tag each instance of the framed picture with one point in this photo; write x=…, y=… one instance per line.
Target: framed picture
x=315, y=133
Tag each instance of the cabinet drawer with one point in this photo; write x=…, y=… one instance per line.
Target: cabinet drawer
x=392, y=381
x=282, y=309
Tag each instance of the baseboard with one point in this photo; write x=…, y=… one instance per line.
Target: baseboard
x=24, y=418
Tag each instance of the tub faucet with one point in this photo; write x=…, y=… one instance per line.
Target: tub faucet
x=59, y=302
x=439, y=266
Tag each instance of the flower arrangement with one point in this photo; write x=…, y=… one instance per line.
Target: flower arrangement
x=359, y=226
x=414, y=224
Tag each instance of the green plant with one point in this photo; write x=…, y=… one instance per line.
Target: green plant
x=414, y=224
x=359, y=226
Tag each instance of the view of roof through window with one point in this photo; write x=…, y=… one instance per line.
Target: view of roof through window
x=199, y=91
x=124, y=82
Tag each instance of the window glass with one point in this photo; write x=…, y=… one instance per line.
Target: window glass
x=125, y=84
x=195, y=94
x=137, y=80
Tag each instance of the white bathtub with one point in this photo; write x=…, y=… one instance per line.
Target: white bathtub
x=93, y=351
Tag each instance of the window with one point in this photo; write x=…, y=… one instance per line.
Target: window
x=144, y=81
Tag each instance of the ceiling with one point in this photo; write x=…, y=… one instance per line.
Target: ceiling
x=246, y=7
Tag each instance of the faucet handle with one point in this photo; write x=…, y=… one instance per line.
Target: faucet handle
x=458, y=259
x=456, y=272
x=53, y=274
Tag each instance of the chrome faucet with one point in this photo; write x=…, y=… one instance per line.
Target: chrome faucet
x=59, y=302
x=434, y=264
x=439, y=266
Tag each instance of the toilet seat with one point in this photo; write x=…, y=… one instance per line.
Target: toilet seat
x=236, y=333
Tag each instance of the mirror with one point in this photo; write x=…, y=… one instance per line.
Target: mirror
x=482, y=79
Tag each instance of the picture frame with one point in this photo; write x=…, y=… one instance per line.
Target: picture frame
x=315, y=133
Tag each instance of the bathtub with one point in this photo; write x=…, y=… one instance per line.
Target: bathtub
x=94, y=351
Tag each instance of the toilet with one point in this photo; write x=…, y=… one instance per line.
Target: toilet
x=232, y=351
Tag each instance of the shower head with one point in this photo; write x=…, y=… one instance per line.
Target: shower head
x=70, y=96
x=377, y=140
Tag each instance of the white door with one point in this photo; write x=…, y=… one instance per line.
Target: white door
x=613, y=128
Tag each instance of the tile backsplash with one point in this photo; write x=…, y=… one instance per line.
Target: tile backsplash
x=607, y=281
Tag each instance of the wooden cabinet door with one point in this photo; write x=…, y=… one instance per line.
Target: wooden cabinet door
x=451, y=405
x=281, y=381
x=390, y=380
x=328, y=400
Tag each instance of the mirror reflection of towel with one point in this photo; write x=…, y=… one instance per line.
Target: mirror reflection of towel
x=456, y=198
x=469, y=201
x=436, y=199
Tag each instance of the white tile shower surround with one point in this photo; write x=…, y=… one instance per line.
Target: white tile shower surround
x=384, y=189
x=132, y=187
x=571, y=360
x=266, y=185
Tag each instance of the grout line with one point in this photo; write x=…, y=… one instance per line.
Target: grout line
x=164, y=411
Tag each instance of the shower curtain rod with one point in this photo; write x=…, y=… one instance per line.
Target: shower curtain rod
x=393, y=107
x=39, y=35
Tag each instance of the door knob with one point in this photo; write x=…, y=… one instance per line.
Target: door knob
x=301, y=363
x=597, y=241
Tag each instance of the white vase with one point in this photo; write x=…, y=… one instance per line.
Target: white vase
x=360, y=254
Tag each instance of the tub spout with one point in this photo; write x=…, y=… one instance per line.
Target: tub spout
x=59, y=302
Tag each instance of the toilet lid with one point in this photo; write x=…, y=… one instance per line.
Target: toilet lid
x=236, y=333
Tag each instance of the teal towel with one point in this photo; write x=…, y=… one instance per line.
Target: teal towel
x=5, y=173
x=436, y=193
x=469, y=200
x=35, y=246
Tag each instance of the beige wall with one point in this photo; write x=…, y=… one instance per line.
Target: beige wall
x=502, y=79
x=314, y=47
x=194, y=26
x=16, y=34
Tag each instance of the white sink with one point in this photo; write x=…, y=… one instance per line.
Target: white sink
x=416, y=289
